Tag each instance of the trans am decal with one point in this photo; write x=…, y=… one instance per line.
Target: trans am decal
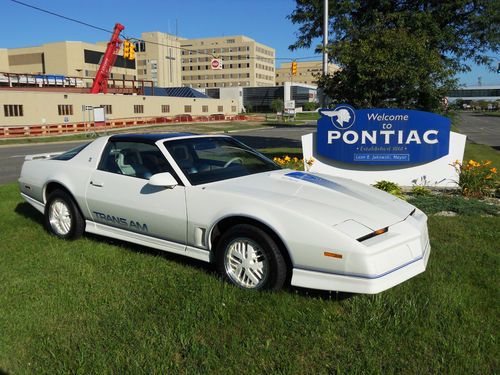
x=130, y=224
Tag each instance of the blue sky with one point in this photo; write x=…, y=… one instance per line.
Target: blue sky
x=262, y=20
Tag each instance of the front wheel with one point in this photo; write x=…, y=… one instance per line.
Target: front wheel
x=250, y=259
x=62, y=216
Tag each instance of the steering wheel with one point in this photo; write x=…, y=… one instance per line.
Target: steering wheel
x=238, y=159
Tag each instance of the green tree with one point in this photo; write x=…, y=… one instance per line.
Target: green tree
x=310, y=106
x=277, y=105
x=400, y=53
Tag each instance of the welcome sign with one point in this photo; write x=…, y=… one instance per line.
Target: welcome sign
x=382, y=136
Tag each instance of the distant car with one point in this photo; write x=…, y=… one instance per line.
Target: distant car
x=213, y=198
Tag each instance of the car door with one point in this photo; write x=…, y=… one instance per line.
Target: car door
x=118, y=193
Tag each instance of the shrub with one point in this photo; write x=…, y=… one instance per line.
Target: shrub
x=460, y=205
x=476, y=179
x=310, y=106
x=420, y=191
x=391, y=188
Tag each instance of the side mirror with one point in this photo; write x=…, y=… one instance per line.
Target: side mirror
x=164, y=179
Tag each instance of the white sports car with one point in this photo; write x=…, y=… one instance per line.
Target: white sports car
x=213, y=198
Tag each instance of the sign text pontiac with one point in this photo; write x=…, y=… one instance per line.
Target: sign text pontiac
x=382, y=136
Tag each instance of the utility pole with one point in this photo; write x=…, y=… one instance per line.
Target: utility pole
x=325, y=44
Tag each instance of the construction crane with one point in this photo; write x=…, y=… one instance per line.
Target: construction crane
x=101, y=79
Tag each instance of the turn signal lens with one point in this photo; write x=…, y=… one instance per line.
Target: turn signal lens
x=373, y=234
x=332, y=255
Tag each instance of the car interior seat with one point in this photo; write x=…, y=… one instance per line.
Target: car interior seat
x=129, y=162
x=184, y=158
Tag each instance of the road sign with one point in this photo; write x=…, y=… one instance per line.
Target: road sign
x=216, y=64
x=289, y=104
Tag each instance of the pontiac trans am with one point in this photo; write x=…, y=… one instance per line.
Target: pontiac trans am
x=215, y=199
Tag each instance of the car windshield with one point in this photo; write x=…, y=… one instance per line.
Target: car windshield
x=210, y=159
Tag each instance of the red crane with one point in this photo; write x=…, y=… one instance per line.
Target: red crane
x=101, y=79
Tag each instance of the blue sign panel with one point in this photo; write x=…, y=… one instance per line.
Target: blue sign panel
x=382, y=136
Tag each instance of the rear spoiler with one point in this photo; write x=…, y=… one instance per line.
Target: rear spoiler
x=48, y=155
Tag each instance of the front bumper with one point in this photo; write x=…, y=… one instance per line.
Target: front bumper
x=385, y=261
x=361, y=284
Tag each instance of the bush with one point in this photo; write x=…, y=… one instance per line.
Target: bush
x=476, y=179
x=420, y=191
x=461, y=206
x=310, y=106
x=391, y=188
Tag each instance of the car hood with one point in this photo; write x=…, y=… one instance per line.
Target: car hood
x=330, y=200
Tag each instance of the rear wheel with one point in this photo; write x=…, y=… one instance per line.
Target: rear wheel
x=62, y=216
x=250, y=259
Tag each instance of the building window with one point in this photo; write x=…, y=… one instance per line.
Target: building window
x=65, y=109
x=187, y=109
x=233, y=108
x=220, y=108
x=165, y=108
x=13, y=110
x=108, y=109
x=204, y=108
x=138, y=108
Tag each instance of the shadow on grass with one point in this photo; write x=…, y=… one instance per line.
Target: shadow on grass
x=326, y=295
x=3, y=372
x=26, y=210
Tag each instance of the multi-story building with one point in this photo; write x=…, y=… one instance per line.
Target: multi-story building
x=245, y=62
x=307, y=72
x=158, y=59
x=4, y=60
x=73, y=59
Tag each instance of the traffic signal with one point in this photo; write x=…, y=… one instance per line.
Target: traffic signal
x=132, y=52
x=498, y=69
x=294, y=68
x=126, y=49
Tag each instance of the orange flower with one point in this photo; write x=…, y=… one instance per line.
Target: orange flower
x=493, y=170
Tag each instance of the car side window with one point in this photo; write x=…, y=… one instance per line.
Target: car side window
x=134, y=159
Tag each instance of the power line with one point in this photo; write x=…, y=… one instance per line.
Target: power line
x=62, y=16
x=147, y=41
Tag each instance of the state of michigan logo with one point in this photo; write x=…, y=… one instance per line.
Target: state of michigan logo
x=342, y=116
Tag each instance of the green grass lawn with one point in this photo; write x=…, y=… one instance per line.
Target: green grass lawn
x=101, y=306
x=307, y=115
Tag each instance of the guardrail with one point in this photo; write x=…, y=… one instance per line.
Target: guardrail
x=80, y=127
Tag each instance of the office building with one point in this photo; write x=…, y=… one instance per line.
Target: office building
x=307, y=72
x=245, y=62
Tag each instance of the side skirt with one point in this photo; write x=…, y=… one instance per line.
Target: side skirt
x=140, y=239
x=38, y=205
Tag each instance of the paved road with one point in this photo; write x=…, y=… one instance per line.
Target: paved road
x=12, y=157
x=480, y=129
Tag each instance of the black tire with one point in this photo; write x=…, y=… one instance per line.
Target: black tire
x=266, y=259
x=67, y=223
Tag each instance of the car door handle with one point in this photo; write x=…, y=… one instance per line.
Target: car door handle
x=96, y=184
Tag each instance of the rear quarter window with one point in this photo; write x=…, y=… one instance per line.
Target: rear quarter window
x=71, y=153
